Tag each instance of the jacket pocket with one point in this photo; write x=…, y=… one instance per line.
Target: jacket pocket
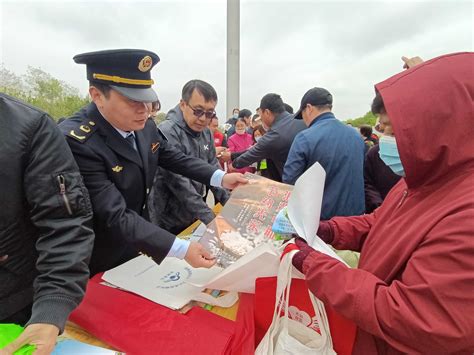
x=73, y=195
x=62, y=191
x=58, y=195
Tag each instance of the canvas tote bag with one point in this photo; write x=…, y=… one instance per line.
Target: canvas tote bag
x=287, y=336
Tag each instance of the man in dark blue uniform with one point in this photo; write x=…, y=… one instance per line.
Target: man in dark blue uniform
x=118, y=149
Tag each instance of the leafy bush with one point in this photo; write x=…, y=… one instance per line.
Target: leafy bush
x=42, y=90
x=369, y=118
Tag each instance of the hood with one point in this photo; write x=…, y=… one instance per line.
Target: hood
x=175, y=115
x=430, y=107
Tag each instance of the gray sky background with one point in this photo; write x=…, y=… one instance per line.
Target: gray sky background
x=287, y=46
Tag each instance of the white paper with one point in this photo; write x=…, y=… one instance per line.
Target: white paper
x=304, y=208
x=174, y=283
x=263, y=261
x=171, y=284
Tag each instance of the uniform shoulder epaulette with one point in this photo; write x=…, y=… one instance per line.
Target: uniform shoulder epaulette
x=82, y=131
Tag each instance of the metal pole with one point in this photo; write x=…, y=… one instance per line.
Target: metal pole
x=233, y=56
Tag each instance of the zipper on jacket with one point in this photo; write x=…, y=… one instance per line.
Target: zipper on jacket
x=62, y=192
x=405, y=193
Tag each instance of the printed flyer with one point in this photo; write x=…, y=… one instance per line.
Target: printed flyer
x=246, y=219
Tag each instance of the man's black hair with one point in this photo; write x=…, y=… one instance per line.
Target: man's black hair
x=272, y=102
x=378, y=106
x=202, y=87
x=288, y=108
x=103, y=88
x=366, y=130
x=245, y=113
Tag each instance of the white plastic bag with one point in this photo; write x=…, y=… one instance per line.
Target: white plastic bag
x=287, y=336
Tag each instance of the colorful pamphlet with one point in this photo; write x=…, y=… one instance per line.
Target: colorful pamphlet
x=246, y=219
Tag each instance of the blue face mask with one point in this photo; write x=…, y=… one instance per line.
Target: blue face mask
x=389, y=154
x=235, y=115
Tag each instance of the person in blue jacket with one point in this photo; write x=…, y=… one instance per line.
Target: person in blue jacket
x=338, y=148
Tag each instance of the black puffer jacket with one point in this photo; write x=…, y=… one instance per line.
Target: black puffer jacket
x=46, y=232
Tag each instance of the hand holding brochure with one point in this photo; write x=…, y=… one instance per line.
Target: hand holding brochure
x=246, y=219
x=241, y=238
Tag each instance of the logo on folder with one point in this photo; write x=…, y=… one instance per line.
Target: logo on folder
x=175, y=278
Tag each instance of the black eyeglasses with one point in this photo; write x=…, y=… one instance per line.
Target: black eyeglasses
x=199, y=112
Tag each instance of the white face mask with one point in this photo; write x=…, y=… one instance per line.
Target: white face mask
x=258, y=138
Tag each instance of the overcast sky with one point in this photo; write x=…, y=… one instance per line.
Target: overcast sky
x=287, y=47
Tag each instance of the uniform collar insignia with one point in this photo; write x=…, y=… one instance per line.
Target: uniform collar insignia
x=154, y=147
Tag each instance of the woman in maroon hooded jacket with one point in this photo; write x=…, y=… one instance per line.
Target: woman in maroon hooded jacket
x=413, y=291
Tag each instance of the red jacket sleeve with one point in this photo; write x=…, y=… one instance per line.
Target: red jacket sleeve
x=350, y=232
x=432, y=295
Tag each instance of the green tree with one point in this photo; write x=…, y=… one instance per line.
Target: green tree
x=159, y=117
x=42, y=90
x=11, y=84
x=369, y=118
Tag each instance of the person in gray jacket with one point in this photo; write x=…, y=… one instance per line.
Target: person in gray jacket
x=46, y=234
x=177, y=201
x=275, y=143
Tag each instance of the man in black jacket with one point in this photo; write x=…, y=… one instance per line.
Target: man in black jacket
x=275, y=143
x=177, y=201
x=118, y=150
x=46, y=234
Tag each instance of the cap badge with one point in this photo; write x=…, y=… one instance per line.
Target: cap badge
x=145, y=64
x=117, y=169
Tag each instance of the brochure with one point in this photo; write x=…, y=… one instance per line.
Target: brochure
x=246, y=220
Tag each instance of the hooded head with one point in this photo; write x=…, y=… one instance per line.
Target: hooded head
x=430, y=107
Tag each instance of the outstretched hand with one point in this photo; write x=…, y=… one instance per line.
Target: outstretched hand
x=232, y=180
x=304, y=251
x=42, y=336
x=226, y=155
x=411, y=62
x=198, y=256
x=325, y=232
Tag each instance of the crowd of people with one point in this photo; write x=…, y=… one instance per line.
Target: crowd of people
x=107, y=184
